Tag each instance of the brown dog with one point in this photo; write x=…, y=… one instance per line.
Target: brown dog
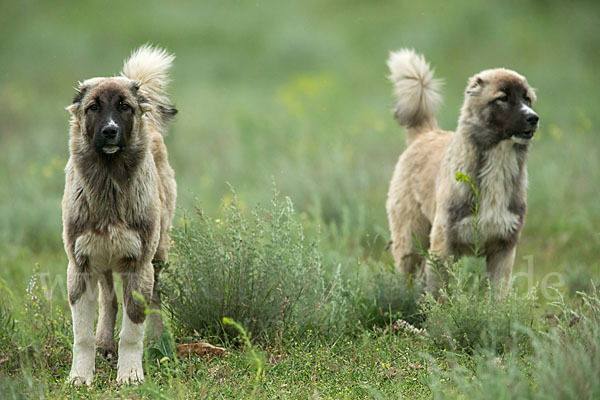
x=490, y=144
x=117, y=208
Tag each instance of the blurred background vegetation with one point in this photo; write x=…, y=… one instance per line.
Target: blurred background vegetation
x=296, y=93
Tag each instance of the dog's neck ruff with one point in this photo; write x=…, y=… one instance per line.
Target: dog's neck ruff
x=108, y=179
x=120, y=165
x=502, y=161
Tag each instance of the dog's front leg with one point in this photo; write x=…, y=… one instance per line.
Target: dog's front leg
x=499, y=268
x=131, y=339
x=82, y=300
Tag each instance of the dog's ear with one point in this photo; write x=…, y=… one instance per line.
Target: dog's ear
x=79, y=94
x=475, y=85
x=141, y=99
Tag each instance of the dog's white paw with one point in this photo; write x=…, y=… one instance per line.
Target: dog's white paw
x=131, y=351
x=129, y=368
x=82, y=369
x=130, y=375
x=81, y=377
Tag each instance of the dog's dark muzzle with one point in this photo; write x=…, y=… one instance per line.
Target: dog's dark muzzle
x=110, y=139
x=531, y=121
x=111, y=133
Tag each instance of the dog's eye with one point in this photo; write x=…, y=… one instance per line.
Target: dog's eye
x=124, y=107
x=503, y=99
x=527, y=100
x=94, y=107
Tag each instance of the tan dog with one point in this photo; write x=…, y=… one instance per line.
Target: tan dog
x=490, y=144
x=117, y=208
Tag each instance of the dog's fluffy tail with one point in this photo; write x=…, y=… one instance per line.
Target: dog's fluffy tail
x=149, y=67
x=416, y=91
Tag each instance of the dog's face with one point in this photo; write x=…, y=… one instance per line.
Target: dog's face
x=500, y=101
x=107, y=111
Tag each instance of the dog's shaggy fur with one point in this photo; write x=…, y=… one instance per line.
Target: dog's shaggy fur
x=117, y=208
x=425, y=202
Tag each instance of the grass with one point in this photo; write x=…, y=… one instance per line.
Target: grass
x=296, y=94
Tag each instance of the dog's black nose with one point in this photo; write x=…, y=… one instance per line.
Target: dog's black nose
x=532, y=118
x=110, y=131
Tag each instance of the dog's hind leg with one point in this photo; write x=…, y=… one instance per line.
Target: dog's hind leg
x=82, y=300
x=410, y=233
x=131, y=339
x=440, y=253
x=168, y=194
x=105, y=331
x=155, y=318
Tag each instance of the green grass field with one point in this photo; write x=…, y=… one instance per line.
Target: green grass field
x=293, y=94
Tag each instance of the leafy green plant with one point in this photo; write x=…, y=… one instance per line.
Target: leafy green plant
x=579, y=280
x=260, y=271
x=8, y=327
x=48, y=343
x=465, y=318
x=386, y=296
x=563, y=363
x=21, y=389
x=255, y=357
x=161, y=346
x=567, y=360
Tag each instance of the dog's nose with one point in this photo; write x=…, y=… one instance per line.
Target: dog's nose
x=532, y=118
x=110, y=131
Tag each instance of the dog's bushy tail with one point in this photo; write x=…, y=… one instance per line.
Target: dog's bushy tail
x=149, y=67
x=416, y=91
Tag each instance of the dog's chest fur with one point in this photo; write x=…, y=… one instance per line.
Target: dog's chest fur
x=107, y=250
x=112, y=225
x=497, y=176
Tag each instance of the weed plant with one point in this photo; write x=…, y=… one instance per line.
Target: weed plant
x=263, y=272
x=387, y=296
x=259, y=271
x=563, y=362
x=471, y=315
